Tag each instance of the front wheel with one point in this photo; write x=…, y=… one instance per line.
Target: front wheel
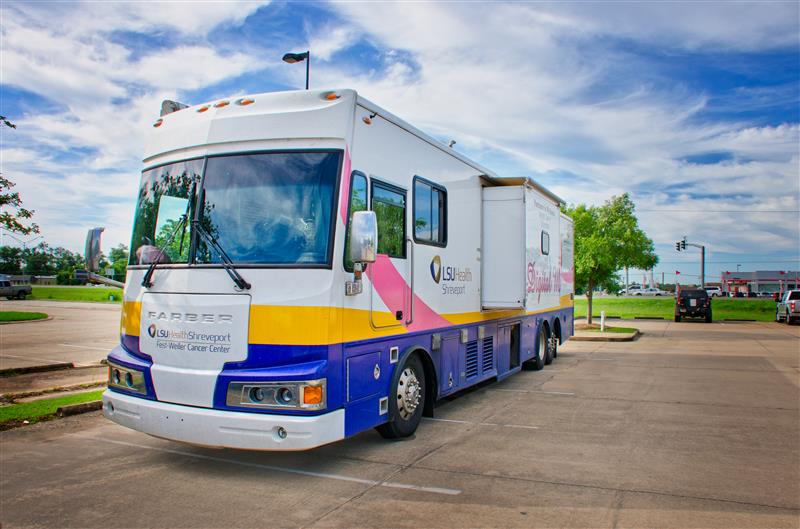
x=406, y=400
x=21, y=296
x=708, y=318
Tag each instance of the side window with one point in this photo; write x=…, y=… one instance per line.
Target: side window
x=389, y=205
x=358, y=202
x=430, y=213
x=545, y=243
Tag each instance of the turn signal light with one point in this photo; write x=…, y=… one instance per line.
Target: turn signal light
x=245, y=101
x=312, y=395
x=203, y=108
x=222, y=104
x=158, y=123
x=331, y=96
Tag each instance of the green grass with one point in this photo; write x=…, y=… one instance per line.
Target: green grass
x=39, y=409
x=10, y=315
x=722, y=308
x=77, y=293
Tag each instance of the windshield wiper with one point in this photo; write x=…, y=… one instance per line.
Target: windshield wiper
x=227, y=262
x=148, y=276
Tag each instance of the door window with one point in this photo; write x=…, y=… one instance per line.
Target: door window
x=389, y=205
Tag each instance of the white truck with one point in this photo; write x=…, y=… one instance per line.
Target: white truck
x=305, y=266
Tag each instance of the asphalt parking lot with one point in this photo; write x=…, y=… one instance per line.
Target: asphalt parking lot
x=77, y=332
x=692, y=425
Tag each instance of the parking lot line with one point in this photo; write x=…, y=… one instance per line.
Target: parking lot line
x=534, y=391
x=323, y=475
x=483, y=423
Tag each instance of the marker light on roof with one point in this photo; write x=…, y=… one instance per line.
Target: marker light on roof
x=222, y=104
x=331, y=96
x=245, y=101
x=203, y=108
x=158, y=123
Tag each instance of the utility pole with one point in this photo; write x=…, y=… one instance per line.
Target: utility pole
x=682, y=244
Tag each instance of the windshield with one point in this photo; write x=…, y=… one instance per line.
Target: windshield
x=270, y=209
x=163, y=200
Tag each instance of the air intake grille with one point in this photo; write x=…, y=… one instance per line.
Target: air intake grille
x=487, y=361
x=472, y=359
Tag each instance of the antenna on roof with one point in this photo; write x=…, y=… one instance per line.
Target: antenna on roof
x=168, y=107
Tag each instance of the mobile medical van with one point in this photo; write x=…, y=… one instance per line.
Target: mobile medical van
x=305, y=266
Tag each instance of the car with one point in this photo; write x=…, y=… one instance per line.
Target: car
x=10, y=291
x=713, y=291
x=693, y=303
x=652, y=291
x=788, y=308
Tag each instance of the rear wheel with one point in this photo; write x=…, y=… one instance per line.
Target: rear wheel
x=537, y=362
x=708, y=317
x=21, y=296
x=554, y=346
x=406, y=400
x=677, y=317
x=777, y=316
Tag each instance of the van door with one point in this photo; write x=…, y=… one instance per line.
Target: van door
x=390, y=275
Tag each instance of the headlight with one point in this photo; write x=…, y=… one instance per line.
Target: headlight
x=305, y=395
x=126, y=379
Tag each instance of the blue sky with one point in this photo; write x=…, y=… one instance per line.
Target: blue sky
x=693, y=108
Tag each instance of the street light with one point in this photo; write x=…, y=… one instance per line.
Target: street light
x=292, y=58
x=737, y=268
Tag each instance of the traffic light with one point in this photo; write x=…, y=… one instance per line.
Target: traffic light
x=683, y=244
x=678, y=246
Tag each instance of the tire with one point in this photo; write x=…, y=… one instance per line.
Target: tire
x=406, y=399
x=677, y=317
x=537, y=362
x=777, y=316
x=21, y=296
x=789, y=319
x=554, y=347
x=709, y=319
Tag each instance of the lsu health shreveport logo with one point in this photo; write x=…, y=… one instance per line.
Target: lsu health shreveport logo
x=436, y=268
x=152, y=330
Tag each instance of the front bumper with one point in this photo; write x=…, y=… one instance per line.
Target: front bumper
x=218, y=428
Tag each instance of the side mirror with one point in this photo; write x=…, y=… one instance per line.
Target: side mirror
x=363, y=237
x=93, y=252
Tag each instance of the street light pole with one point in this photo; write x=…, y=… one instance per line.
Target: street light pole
x=292, y=58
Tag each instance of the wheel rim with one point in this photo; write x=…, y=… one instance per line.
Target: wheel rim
x=542, y=346
x=408, y=393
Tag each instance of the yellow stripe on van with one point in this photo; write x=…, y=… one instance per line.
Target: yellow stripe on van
x=290, y=325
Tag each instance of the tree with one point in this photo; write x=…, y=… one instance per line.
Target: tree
x=13, y=217
x=608, y=238
x=11, y=259
x=39, y=260
x=118, y=257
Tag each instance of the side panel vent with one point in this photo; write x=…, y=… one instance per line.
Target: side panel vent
x=487, y=360
x=471, y=365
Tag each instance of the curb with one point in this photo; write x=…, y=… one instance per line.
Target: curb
x=649, y=318
x=13, y=371
x=75, y=409
x=629, y=337
x=48, y=318
x=736, y=319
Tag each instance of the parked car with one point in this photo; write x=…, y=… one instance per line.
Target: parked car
x=10, y=291
x=713, y=291
x=652, y=291
x=693, y=303
x=788, y=308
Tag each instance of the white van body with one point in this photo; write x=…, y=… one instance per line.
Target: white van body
x=464, y=281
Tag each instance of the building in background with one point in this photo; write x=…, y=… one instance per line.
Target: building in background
x=760, y=281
